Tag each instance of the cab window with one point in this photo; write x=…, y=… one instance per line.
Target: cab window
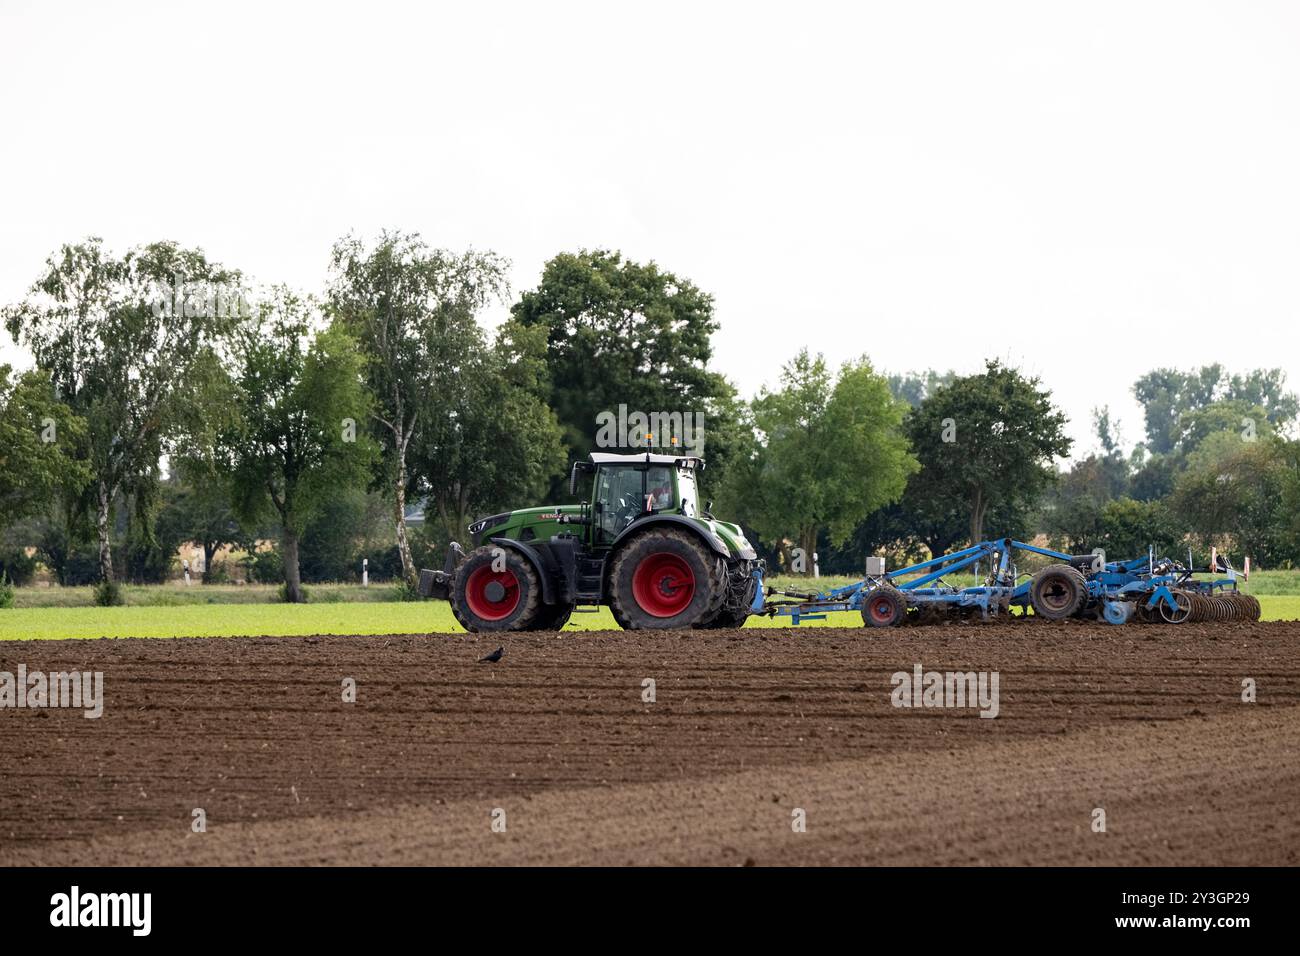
x=621, y=495
x=688, y=493
x=659, y=487
x=618, y=495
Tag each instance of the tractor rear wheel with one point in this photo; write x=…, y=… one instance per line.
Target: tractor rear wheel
x=665, y=579
x=496, y=589
x=726, y=619
x=1057, y=591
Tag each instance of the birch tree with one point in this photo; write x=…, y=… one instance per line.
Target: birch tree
x=413, y=311
x=119, y=337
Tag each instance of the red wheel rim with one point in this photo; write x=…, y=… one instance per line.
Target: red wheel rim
x=882, y=610
x=479, y=593
x=663, y=584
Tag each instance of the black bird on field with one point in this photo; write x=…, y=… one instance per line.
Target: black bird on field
x=493, y=657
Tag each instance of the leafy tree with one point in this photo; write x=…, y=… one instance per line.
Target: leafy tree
x=621, y=333
x=332, y=536
x=1288, y=511
x=1152, y=476
x=830, y=453
x=1129, y=527
x=40, y=446
x=986, y=440
x=915, y=387
x=1166, y=393
x=1266, y=389
x=1107, y=431
x=1247, y=420
x=197, y=508
x=1229, y=495
x=106, y=331
x=497, y=443
x=294, y=442
x=413, y=311
x=1169, y=395
x=728, y=442
x=147, y=558
x=1074, y=514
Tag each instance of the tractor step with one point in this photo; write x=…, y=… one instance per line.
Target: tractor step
x=591, y=574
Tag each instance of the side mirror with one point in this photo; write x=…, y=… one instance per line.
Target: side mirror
x=573, y=479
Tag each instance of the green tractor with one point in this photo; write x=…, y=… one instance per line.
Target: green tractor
x=640, y=543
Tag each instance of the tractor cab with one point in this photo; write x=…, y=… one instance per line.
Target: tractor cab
x=627, y=487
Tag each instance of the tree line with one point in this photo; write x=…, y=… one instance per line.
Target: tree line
x=172, y=401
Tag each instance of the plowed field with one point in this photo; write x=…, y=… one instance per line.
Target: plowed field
x=749, y=732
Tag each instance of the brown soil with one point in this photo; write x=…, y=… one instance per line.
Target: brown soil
x=1145, y=722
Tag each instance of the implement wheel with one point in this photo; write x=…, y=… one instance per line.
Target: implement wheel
x=883, y=607
x=1057, y=592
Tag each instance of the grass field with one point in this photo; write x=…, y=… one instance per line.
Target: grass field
x=178, y=595
x=248, y=620
x=174, y=610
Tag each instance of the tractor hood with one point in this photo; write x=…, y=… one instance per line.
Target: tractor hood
x=510, y=524
x=524, y=525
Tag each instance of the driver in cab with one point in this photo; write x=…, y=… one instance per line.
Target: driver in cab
x=660, y=485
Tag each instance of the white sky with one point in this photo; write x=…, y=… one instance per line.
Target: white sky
x=1087, y=190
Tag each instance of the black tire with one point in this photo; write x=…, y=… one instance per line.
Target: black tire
x=726, y=619
x=883, y=607
x=473, y=600
x=664, y=579
x=551, y=617
x=1057, y=592
x=619, y=619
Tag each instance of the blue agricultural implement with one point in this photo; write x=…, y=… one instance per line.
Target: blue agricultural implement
x=1146, y=589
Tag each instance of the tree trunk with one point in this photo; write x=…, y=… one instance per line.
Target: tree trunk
x=292, y=580
x=399, y=513
x=808, y=541
x=102, y=527
x=209, y=552
x=978, y=507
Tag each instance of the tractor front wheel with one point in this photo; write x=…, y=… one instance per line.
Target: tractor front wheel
x=665, y=579
x=496, y=589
